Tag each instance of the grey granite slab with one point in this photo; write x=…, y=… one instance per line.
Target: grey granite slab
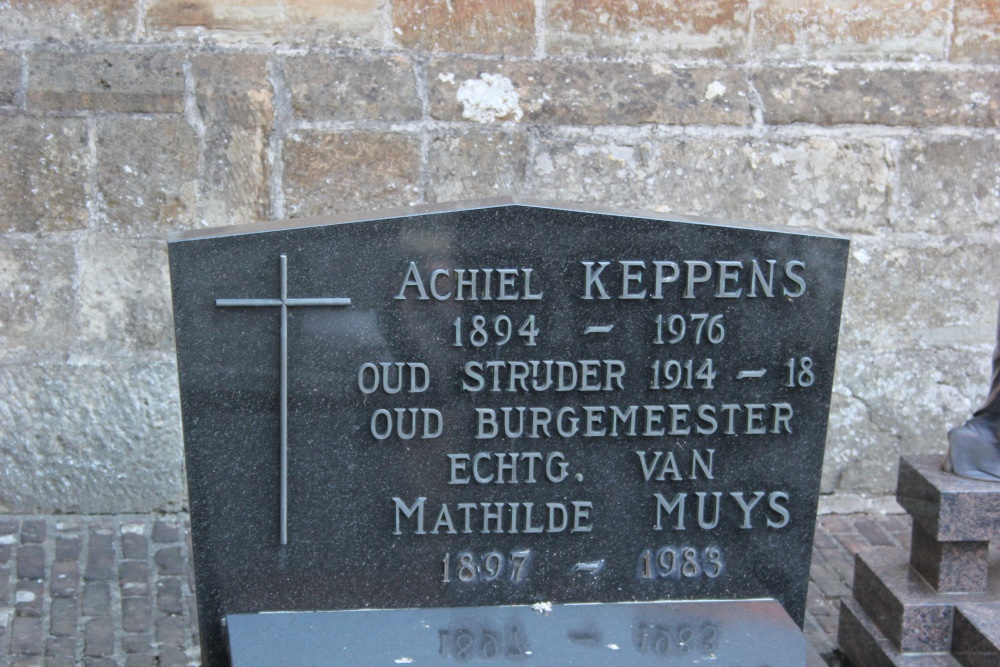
x=950, y=508
x=950, y=567
x=865, y=645
x=977, y=635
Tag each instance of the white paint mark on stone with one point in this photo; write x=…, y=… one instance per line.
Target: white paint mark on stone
x=446, y=77
x=7, y=539
x=715, y=89
x=980, y=97
x=543, y=164
x=403, y=661
x=542, y=607
x=24, y=596
x=133, y=529
x=613, y=647
x=489, y=98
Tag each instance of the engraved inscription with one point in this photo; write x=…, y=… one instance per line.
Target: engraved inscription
x=492, y=458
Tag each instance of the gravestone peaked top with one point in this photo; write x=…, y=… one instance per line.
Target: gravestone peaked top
x=502, y=402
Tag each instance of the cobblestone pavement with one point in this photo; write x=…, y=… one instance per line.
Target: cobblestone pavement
x=118, y=590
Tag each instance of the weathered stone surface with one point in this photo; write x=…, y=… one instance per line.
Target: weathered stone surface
x=10, y=77
x=68, y=20
x=702, y=28
x=476, y=164
x=329, y=172
x=147, y=174
x=948, y=184
x=353, y=23
x=840, y=185
x=329, y=88
x=850, y=29
x=108, y=436
x=977, y=31
x=705, y=178
x=489, y=26
x=594, y=93
x=836, y=184
x=887, y=402
x=235, y=100
x=911, y=98
x=37, y=299
x=685, y=175
x=64, y=80
x=954, y=307
x=616, y=173
x=43, y=168
x=123, y=296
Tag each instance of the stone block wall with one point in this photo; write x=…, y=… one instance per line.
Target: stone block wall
x=123, y=119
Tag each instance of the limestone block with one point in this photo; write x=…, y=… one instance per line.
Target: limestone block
x=594, y=93
x=331, y=172
x=840, y=185
x=703, y=28
x=147, y=174
x=854, y=443
x=851, y=29
x=10, y=77
x=703, y=177
x=236, y=104
x=948, y=184
x=898, y=401
x=123, y=296
x=90, y=437
x=346, y=23
x=612, y=173
x=834, y=184
x=977, y=31
x=38, y=305
x=145, y=82
x=919, y=291
x=68, y=20
x=43, y=172
x=326, y=88
x=911, y=98
x=476, y=164
x=487, y=26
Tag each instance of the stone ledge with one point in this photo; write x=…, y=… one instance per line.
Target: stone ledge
x=907, y=609
x=863, y=643
x=948, y=507
x=977, y=634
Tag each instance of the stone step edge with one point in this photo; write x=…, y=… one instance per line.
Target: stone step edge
x=977, y=633
x=948, y=507
x=876, y=592
x=865, y=646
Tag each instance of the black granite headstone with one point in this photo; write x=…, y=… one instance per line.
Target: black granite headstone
x=503, y=403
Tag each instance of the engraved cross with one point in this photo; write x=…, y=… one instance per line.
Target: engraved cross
x=284, y=303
